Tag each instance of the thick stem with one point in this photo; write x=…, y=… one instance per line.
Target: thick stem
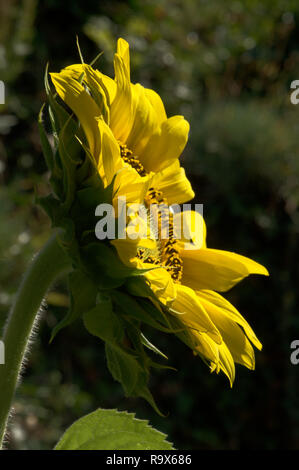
x=50, y=262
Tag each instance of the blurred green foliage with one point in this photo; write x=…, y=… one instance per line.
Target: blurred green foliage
x=227, y=67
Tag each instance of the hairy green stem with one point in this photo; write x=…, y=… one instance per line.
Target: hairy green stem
x=47, y=265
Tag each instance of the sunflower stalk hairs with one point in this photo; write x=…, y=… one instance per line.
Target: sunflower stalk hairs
x=113, y=142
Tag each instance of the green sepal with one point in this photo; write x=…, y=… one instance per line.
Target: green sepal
x=83, y=294
x=58, y=115
x=69, y=154
x=46, y=147
x=102, y=258
x=139, y=287
x=126, y=358
x=126, y=369
x=151, y=346
x=52, y=207
x=140, y=309
x=69, y=165
x=102, y=322
x=49, y=154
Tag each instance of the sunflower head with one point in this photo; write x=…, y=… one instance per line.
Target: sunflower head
x=116, y=155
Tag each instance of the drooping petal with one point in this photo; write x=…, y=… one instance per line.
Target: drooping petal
x=217, y=355
x=193, y=314
x=233, y=336
x=226, y=363
x=221, y=310
x=216, y=269
x=205, y=346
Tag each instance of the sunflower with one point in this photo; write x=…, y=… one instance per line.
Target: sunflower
x=135, y=146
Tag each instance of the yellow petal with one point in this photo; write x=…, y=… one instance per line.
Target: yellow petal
x=81, y=103
x=75, y=69
x=218, y=355
x=190, y=228
x=167, y=144
x=172, y=181
x=133, y=118
x=139, y=120
x=233, y=336
x=123, y=50
x=98, y=91
x=129, y=184
x=193, y=314
x=127, y=249
x=161, y=283
x=216, y=269
x=157, y=105
x=122, y=110
x=144, y=124
x=107, y=83
x=110, y=160
x=226, y=363
x=221, y=310
x=204, y=345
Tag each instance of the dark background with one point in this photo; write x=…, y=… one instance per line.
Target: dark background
x=227, y=67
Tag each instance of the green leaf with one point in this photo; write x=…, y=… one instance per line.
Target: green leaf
x=112, y=430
